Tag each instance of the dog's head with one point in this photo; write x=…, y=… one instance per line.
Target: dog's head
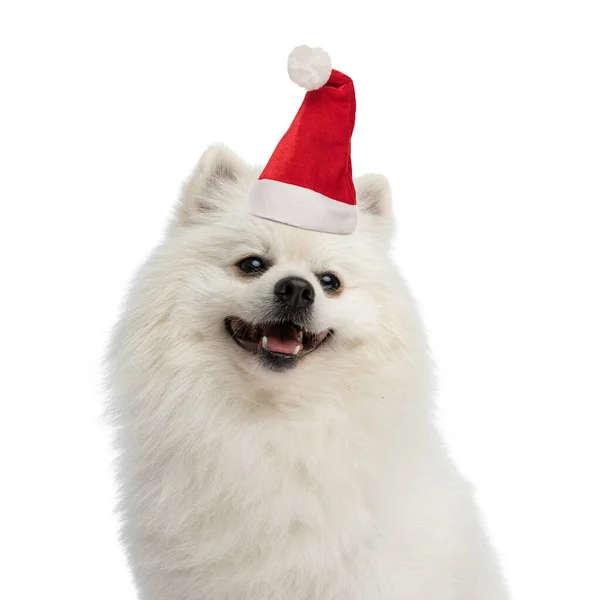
x=270, y=300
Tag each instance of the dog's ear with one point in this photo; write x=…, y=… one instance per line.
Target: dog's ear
x=373, y=195
x=204, y=191
x=374, y=199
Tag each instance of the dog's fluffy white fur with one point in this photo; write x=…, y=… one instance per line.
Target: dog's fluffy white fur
x=325, y=482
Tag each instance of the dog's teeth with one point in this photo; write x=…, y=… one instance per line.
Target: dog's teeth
x=296, y=349
x=264, y=343
x=301, y=336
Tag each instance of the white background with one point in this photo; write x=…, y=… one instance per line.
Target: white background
x=485, y=117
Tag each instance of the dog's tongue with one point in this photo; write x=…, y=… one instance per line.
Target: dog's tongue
x=282, y=339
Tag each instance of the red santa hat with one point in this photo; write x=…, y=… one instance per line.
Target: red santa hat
x=307, y=182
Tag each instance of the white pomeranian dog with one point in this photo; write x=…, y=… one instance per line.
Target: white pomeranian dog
x=271, y=394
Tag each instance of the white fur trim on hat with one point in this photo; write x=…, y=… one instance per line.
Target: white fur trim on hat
x=309, y=67
x=301, y=207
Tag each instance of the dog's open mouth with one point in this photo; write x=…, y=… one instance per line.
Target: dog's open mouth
x=283, y=340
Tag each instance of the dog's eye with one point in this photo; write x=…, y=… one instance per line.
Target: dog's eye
x=252, y=265
x=329, y=282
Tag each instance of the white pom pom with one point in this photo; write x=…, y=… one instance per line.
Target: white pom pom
x=309, y=67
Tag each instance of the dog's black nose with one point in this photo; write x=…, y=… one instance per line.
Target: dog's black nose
x=295, y=292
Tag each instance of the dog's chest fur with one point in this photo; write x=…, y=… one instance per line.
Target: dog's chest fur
x=261, y=502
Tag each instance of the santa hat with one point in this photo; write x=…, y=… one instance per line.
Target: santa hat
x=307, y=182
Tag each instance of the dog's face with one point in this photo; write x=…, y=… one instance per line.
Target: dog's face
x=272, y=299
